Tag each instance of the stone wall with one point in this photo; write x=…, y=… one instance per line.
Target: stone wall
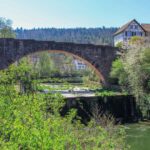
x=122, y=108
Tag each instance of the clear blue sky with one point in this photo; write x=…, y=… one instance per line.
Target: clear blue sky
x=74, y=13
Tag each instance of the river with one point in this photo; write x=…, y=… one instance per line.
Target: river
x=138, y=136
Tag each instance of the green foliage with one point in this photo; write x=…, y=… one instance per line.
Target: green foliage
x=32, y=120
x=45, y=66
x=91, y=79
x=96, y=36
x=137, y=65
x=119, y=45
x=107, y=93
x=145, y=67
x=136, y=40
x=133, y=72
x=6, y=30
x=118, y=72
x=21, y=75
x=50, y=66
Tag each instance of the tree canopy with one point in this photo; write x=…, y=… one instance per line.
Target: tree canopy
x=6, y=30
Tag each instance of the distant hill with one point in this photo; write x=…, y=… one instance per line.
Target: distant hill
x=99, y=36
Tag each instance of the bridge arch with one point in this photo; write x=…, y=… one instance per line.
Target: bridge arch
x=99, y=57
x=98, y=73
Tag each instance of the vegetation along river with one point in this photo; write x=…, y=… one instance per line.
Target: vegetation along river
x=138, y=136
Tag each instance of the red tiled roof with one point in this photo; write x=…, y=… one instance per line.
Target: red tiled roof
x=146, y=27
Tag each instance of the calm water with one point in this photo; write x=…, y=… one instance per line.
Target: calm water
x=138, y=136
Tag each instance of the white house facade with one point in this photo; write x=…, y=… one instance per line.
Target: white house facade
x=132, y=28
x=79, y=65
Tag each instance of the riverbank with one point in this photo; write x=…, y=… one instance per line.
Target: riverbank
x=138, y=135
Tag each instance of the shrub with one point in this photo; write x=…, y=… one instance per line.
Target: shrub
x=32, y=120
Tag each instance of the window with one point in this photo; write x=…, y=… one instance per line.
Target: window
x=129, y=33
x=126, y=33
x=131, y=26
x=133, y=33
x=79, y=67
x=136, y=27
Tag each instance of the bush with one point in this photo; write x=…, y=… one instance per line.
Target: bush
x=118, y=72
x=133, y=72
x=31, y=120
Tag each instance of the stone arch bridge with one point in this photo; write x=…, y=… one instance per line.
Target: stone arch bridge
x=99, y=57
